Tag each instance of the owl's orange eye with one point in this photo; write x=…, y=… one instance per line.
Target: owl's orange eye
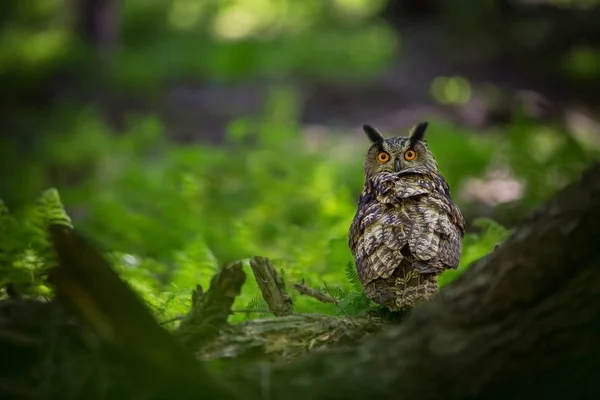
x=383, y=157
x=410, y=155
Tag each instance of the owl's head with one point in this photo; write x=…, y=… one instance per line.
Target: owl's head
x=399, y=153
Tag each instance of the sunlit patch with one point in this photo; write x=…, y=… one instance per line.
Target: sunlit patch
x=184, y=14
x=358, y=8
x=585, y=129
x=497, y=188
x=451, y=90
x=32, y=48
x=582, y=62
x=130, y=260
x=242, y=19
x=544, y=143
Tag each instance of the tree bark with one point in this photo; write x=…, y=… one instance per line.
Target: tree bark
x=286, y=339
x=210, y=310
x=97, y=23
x=272, y=286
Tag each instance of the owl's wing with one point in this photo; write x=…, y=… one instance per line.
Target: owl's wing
x=444, y=201
x=377, y=235
x=436, y=235
x=406, y=208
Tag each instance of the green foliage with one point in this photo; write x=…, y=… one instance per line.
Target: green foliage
x=27, y=258
x=172, y=214
x=352, y=277
x=51, y=210
x=352, y=300
x=546, y=158
x=256, y=307
x=274, y=38
x=25, y=251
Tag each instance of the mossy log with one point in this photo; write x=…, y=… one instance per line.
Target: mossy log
x=282, y=338
x=285, y=339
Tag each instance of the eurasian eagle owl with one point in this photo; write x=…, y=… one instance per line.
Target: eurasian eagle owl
x=407, y=230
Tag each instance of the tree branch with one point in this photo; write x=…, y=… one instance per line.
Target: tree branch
x=314, y=293
x=271, y=286
x=210, y=310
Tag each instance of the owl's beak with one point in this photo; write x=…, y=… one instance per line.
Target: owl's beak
x=397, y=165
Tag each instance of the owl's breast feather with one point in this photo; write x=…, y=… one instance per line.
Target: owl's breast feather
x=391, y=188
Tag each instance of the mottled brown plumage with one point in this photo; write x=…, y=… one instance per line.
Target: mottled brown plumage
x=407, y=230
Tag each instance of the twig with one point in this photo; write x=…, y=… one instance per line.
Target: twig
x=338, y=304
x=271, y=286
x=314, y=293
x=259, y=311
x=168, y=321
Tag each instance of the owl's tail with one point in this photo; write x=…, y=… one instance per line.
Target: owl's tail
x=405, y=289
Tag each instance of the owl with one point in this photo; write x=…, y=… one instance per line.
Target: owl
x=406, y=230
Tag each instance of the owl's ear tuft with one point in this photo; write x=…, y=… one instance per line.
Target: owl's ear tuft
x=373, y=134
x=417, y=133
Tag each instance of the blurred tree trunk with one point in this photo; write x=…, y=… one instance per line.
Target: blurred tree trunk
x=97, y=23
x=98, y=26
x=408, y=8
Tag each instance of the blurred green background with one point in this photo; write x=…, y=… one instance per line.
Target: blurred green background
x=183, y=135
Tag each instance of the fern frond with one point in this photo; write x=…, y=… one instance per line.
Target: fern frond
x=253, y=303
x=356, y=303
x=352, y=277
x=25, y=249
x=256, y=303
x=53, y=210
x=10, y=245
x=335, y=292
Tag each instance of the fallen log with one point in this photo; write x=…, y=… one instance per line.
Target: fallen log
x=282, y=339
x=286, y=339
